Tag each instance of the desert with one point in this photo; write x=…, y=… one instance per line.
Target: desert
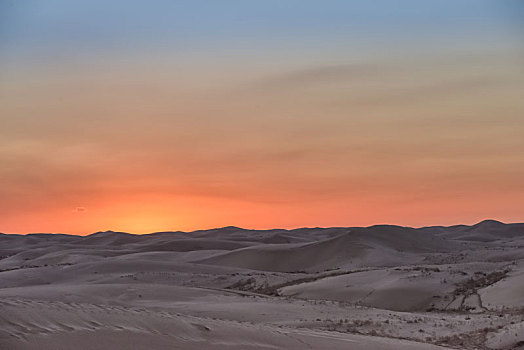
x=378, y=287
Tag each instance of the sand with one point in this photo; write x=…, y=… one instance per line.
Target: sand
x=381, y=287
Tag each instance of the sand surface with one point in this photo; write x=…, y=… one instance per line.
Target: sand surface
x=381, y=287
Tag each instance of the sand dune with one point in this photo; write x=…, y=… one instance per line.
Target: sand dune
x=89, y=326
x=381, y=287
x=404, y=290
x=359, y=247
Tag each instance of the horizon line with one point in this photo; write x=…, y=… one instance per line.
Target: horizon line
x=252, y=229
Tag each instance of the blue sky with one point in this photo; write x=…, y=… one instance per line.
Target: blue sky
x=63, y=29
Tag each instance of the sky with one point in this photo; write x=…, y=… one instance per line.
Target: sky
x=144, y=116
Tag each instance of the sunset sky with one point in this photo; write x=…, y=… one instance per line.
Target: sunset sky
x=145, y=116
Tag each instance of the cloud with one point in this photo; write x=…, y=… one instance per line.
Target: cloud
x=320, y=74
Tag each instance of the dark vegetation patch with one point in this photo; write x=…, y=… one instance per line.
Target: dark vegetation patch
x=478, y=281
x=250, y=283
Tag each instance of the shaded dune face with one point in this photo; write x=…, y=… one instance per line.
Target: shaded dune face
x=355, y=247
x=403, y=239
x=458, y=286
x=293, y=257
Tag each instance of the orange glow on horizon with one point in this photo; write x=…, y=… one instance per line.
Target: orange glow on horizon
x=154, y=213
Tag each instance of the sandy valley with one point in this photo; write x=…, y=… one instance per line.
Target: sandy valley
x=380, y=287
